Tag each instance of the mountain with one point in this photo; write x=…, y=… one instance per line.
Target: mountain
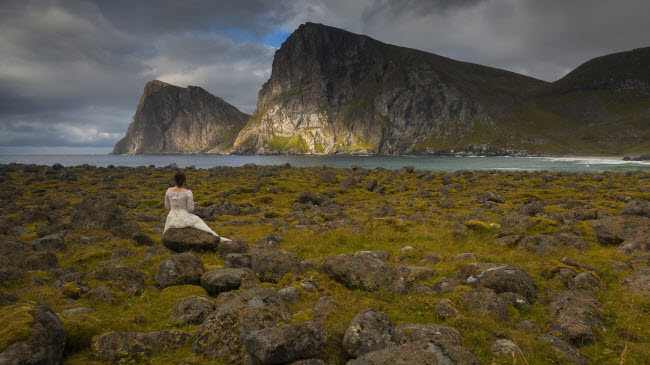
x=172, y=119
x=332, y=91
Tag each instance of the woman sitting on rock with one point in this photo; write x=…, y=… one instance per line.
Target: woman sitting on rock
x=181, y=202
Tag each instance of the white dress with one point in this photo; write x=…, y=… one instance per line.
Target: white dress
x=181, y=205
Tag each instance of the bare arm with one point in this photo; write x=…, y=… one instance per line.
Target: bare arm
x=190, y=201
x=167, y=205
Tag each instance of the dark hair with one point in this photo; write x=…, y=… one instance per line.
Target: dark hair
x=179, y=178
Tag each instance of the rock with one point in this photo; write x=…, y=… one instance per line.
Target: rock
x=41, y=261
x=465, y=256
x=370, y=184
x=100, y=294
x=307, y=286
x=380, y=255
x=286, y=343
x=411, y=333
x=528, y=326
x=516, y=300
x=492, y=197
x=445, y=309
x=76, y=311
x=323, y=308
x=540, y=244
x=639, y=207
x=237, y=315
x=102, y=214
x=52, y=242
x=514, y=222
x=308, y=265
x=288, y=294
x=118, y=345
x=585, y=281
x=192, y=310
x=405, y=249
x=634, y=245
x=222, y=280
x=270, y=240
x=121, y=253
x=639, y=282
x=369, y=331
x=30, y=334
x=180, y=269
x=500, y=278
x=572, y=241
x=233, y=246
x=421, y=353
x=579, y=317
x=125, y=278
x=565, y=350
x=505, y=348
x=357, y=272
x=239, y=260
x=172, y=119
x=147, y=217
x=532, y=209
x=272, y=265
x=574, y=215
x=407, y=275
x=141, y=239
x=615, y=230
x=485, y=302
x=327, y=176
x=190, y=239
x=308, y=197
x=6, y=299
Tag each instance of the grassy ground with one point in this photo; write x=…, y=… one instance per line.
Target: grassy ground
x=275, y=190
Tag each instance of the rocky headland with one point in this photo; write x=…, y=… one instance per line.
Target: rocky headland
x=172, y=119
x=326, y=266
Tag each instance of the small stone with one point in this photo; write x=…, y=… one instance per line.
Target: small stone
x=307, y=286
x=286, y=343
x=485, y=301
x=369, y=331
x=288, y=294
x=529, y=326
x=323, y=307
x=465, y=256
x=222, y=280
x=516, y=300
x=445, y=309
x=505, y=348
x=192, y=310
x=406, y=249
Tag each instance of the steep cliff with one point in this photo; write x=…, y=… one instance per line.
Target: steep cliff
x=332, y=91
x=171, y=119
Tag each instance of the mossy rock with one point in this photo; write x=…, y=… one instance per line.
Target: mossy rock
x=16, y=323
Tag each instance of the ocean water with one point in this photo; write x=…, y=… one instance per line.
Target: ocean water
x=434, y=163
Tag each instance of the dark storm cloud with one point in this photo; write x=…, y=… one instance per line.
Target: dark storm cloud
x=71, y=72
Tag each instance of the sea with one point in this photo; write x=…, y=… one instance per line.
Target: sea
x=434, y=163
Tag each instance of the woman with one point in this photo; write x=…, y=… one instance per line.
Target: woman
x=181, y=202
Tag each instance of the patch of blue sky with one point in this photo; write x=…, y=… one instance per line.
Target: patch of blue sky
x=274, y=38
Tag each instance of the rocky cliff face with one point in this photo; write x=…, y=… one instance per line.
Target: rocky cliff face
x=171, y=119
x=332, y=91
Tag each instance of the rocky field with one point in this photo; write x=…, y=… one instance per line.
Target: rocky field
x=329, y=266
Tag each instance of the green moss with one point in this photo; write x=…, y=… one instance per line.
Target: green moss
x=80, y=330
x=278, y=143
x=15, y=323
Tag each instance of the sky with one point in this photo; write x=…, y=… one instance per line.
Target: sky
x=72, y=72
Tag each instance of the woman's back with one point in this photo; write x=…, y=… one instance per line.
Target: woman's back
x=179, y=199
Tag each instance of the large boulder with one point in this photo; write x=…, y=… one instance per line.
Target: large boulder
x=579, y=317
x=615, y=230
x=640, y=207
x=369, y=331
x=180, y=269
x=102, y=214
x=117, y=345
x=286, y=343
x=484, y=301
x=190, y=239
x=271, y=265
x=360, y=272
x=30, y=333
x=500, y=278
x=238, y=314
x=192, y=310
x=422, y=353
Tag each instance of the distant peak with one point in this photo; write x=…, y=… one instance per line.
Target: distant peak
x=158, y=82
